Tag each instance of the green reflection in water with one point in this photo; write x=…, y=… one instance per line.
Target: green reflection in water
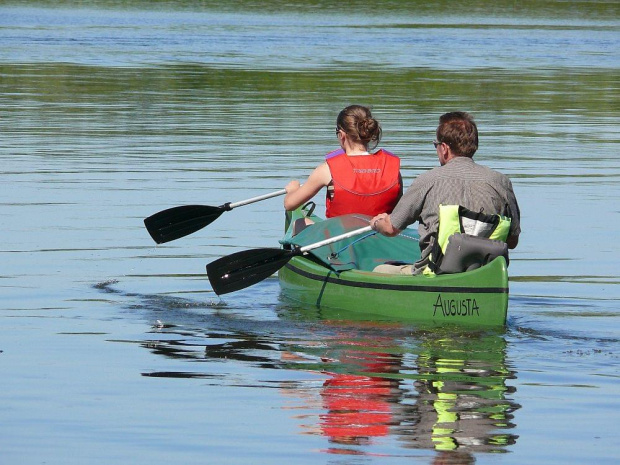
x=535, y=8
x=588, y=91
x=438, y=390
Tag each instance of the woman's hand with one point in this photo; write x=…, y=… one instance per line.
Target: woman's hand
x=297, y=195
x=292, y=186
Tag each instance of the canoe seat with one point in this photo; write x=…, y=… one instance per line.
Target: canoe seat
x=302, y=223
x=299, y=225
x=466, y=252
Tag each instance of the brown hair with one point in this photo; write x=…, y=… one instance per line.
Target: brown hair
x=458, y=130
x=357, y=122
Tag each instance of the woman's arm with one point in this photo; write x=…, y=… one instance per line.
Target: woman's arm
x=297, y=195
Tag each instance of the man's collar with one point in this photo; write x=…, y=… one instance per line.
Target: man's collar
x=462, y=160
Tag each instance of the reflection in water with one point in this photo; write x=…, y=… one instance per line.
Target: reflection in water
x=441, y=390
x=461, y=390
x=433, y=391
x=359, y=406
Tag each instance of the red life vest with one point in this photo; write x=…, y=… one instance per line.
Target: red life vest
x=367, y=184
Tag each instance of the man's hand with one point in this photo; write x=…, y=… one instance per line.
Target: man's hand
x=382, y=224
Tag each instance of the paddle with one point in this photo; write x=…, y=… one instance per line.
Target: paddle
x=173, y=223
x=243, y=269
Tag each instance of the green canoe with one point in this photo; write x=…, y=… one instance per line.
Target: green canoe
x=337, y=278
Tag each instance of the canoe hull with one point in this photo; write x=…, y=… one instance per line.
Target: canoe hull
x=476, y=298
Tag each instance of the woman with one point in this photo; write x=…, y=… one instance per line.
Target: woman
x=357, y=181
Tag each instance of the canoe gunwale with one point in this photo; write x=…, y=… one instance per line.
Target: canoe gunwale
x=341, y=280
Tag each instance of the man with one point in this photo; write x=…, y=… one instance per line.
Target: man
x=458, y=181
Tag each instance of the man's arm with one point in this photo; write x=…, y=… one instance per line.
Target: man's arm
x=512, y=241
x=515, y=215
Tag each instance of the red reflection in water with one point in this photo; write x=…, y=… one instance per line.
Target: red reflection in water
x=357, y=408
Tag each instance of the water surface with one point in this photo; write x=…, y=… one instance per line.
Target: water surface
x=114, y=349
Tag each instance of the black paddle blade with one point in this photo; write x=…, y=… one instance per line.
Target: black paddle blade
x=176, y=222
x=243, y=269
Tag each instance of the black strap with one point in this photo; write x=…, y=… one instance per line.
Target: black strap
x=310, y=210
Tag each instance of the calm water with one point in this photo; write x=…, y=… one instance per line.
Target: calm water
x=114, y=350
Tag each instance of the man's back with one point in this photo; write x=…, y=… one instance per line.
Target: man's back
x=463, y=182
x=458, y=181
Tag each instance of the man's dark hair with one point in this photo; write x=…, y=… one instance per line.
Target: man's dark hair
x=458, y=130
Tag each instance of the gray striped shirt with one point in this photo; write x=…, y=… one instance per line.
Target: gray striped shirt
x=463, y=182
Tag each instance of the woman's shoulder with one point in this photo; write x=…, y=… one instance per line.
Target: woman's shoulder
x=322, y=174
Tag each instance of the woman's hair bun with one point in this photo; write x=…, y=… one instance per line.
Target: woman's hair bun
x=358, y=123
